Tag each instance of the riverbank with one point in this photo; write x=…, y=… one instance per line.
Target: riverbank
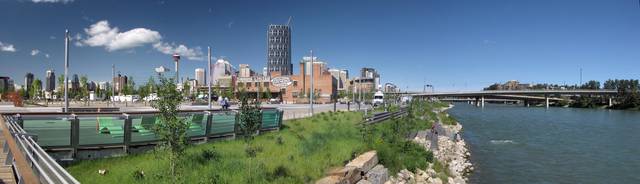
x=452, y=163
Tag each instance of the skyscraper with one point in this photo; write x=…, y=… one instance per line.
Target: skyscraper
x=28, y=81
x=75, y=83
x=279, y=49
x=200, y=76
x=220, y=69
x=50, y=81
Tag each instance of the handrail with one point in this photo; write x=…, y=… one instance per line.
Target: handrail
x=43, y=169
x=19, y=160
x=119, y=112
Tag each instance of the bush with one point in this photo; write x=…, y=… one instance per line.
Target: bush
x=210, y=155
x=137, y=174
x=279, y=172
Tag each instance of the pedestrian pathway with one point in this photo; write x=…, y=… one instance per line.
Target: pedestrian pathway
x=6, y=173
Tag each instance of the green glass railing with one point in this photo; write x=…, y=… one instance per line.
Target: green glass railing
x=124, y=129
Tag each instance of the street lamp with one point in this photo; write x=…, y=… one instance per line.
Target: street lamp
x=311, y=92
x=66, y=70
x=176, y=59
x=209, y=76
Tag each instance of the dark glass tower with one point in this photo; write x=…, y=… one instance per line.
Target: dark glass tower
x=279, y=49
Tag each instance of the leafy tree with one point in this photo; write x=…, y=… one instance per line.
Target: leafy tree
x=36, y=88
x=21, y=91
x=172, y=130
x=592, y=84
x=186, y=89
x=250, y=117
x=60, y=92
x=84, y=88
x=267, y=94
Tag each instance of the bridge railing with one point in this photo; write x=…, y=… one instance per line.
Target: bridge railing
x=30, y=163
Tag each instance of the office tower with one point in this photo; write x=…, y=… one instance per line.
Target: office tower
x=279, y=49
x=200, y=77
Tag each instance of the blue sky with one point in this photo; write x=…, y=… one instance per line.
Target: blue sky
x=452, y=44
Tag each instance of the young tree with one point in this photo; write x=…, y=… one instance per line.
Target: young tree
x=84, y=88
x=172, y=130
x=60, y=92
x=186, y=89
x=267, y=94
x=35, y=89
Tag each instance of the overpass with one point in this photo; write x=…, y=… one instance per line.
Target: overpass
x=511, y=94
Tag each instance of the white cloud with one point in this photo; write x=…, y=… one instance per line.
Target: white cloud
x=35, y=52
x=182, y=50
x=101, y=34
x=51, y=1
x=7, y=47
x=52, y=37
x=46, y=55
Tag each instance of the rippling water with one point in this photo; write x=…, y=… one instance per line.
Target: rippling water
x=514, y=144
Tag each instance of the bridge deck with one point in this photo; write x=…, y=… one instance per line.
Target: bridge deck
x=6, y=172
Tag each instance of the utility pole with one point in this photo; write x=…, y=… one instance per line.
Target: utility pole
x=580, y=77
x=66, y=70
x=311, y=92
x=209, y=76
x=113, y=84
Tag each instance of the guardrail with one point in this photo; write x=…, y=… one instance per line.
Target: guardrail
x=72, y=136
x=30, y=163
x=381, y=116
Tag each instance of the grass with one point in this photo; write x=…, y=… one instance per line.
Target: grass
x=302, y=152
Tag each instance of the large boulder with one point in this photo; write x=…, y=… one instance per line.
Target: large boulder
x=377, y=175
x=331, y=180
x=349, y=174
x=364, y=182
x=365, y=162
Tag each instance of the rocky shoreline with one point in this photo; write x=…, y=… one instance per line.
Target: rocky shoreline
x=448, y=148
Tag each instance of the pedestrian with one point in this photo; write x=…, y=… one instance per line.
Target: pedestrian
x=226, y=103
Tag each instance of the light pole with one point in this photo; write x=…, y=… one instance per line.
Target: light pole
x=176, y=59
x=209, y=74
x=311, y=92
x=113, y=87
x=66, y=70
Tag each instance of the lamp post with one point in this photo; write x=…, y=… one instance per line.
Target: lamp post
x=209, y=74
x=312, y=90
x=176, y=59
x=66, y=70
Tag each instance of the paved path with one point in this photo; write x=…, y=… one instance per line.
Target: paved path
x=6, y=173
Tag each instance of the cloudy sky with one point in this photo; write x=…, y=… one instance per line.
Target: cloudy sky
x=454, y=45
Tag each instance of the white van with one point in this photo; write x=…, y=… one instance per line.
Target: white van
x=378, y=98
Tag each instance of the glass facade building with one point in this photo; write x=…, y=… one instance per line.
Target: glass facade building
x=279, y=49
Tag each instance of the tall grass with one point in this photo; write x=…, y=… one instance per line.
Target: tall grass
x=302, y=152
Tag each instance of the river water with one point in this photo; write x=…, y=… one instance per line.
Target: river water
x=515, y=144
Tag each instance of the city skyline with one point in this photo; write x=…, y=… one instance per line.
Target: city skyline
x=462, y=45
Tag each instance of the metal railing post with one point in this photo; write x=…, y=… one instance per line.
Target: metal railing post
x=280, y=120
x=207, y=129
x=19, y=120
x=126, y=140
x=75, y=135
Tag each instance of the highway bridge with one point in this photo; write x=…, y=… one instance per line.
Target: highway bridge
x=525, y=95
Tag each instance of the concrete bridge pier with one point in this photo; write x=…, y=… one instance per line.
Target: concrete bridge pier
x=546, y=101
x=482, y=101
x=610, y=102
x=526, y=103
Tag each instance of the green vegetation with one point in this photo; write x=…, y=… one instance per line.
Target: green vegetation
x=172, y=131
x=302, y=152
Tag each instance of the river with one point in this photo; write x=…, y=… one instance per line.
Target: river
x=515, y=144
